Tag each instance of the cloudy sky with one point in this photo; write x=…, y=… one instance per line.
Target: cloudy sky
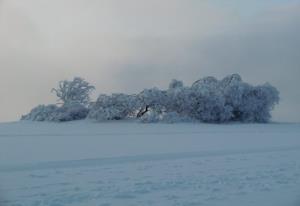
x=125, y=46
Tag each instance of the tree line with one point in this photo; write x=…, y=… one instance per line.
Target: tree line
x=206, y=100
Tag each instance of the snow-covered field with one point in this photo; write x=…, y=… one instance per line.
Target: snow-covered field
x=123, y=163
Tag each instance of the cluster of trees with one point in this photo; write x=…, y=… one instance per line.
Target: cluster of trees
x=206, y=100
x=74, y=101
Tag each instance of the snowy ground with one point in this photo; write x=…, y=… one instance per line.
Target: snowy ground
x=119, y=163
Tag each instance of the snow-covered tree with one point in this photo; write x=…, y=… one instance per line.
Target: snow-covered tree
x=114, y=107
x=74, y=96
x=207, y=102
x=230, y=80
x=178, y=100
x=57, y=114
x=207, y=83
x=153, y=99
x=76, y=91
x=175, y=84
x=256, y=103
x=249, y=103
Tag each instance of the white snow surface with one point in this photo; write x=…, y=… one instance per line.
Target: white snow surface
x=133, y=164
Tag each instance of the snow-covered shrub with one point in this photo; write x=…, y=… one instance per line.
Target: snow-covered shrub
x=103, y=114
x=76, y=91
x=57, y=114
x=41, y=113
x=113, y=107
x=71, y=112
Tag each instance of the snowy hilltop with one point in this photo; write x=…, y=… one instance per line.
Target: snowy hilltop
x=206, y=100
x=131, y=164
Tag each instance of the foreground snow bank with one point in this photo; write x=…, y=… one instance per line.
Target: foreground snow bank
x=121, y=163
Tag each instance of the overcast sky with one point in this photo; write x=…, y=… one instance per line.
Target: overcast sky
x=125, y=46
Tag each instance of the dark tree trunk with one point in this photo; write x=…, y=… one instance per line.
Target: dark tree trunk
x=142, y=112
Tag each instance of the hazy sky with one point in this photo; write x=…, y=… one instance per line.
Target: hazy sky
x=125, y=46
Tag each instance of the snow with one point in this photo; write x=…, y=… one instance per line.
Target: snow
x=127, y=163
